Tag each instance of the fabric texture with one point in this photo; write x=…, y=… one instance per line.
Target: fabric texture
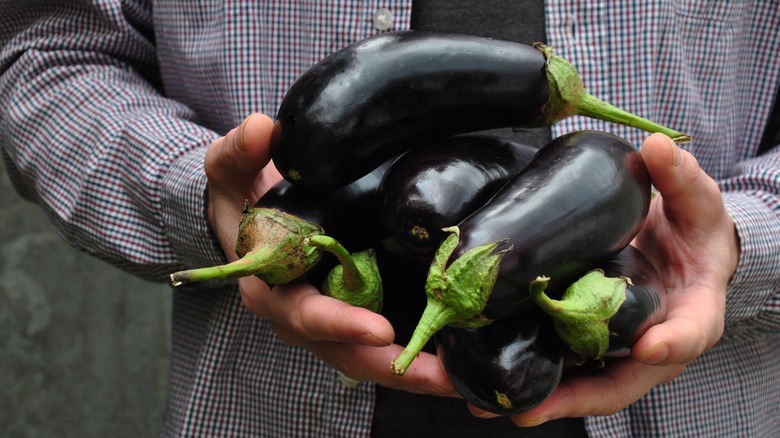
x=106, y=108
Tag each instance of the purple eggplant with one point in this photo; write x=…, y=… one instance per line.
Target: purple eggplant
x=607, y=310
x=364, y=103
x=431, y=186
x=580, y=201
x=506, y=367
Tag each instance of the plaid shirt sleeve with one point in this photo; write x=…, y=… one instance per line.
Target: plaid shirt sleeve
x=116, y=166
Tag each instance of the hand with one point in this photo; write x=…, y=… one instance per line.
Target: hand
x=692, y=241
x=355, y=341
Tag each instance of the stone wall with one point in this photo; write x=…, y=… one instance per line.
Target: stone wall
x=84, y=347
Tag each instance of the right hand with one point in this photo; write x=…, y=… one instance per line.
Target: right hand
x=355, y=341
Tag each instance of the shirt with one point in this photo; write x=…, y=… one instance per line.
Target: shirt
x=106, y=108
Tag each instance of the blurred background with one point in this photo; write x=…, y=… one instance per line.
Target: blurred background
x=84, y=347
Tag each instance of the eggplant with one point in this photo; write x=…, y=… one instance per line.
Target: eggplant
x=507, y=367
x=334, y=210
x=273, y=235
x=363, y=104
x=606, y=311
x=580, y=201
x=356, y=279
x=431, y=186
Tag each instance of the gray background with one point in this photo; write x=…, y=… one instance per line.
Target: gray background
x=84, y=347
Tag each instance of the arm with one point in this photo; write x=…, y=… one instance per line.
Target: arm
x=116, y=166
x=120, y=170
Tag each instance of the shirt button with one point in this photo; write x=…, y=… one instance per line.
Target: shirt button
x=383, y=19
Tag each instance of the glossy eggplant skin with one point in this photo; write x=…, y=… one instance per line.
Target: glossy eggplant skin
x=359, y=106
x=580, y=201
x=431, y=186
x=645, y=303
x=334, y=210
x=506, y=367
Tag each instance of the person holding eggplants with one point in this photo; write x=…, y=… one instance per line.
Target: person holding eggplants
x=143, y=128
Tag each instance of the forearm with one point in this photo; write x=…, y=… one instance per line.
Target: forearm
x=117, y=167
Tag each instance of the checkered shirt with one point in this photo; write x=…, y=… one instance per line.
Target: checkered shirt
x=106, y=109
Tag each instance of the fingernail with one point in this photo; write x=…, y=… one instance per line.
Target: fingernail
x=239, y=138
x=372, y=340
x=655, y=354
x=483, y=414
x=533, y=422
x=676, y=150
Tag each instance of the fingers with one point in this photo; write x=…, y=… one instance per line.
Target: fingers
x=693, y=324
x=692, y=241
x=366, y=363
x=622, y=383
x=690, y=196
x=237, y=170
x=235, y=160
x=306, y=315
x=355, y=341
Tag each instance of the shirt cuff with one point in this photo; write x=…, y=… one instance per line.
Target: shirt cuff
x=184, y=211
x=753, y=284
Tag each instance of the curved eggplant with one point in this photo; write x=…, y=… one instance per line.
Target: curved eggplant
x=580, y=201
x=273, y=242
x=431, y=186
x=362, y=104
x=604, y=312
x=506, y=367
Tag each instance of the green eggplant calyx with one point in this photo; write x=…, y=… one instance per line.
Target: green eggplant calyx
x=271, y=245
x=356, y=279
x=581, y=317
x=568, y=97
x=456, y=293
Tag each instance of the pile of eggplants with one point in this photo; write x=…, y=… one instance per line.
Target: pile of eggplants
x=381, y=149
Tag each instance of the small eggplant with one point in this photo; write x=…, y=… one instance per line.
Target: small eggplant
x=604, y=312
x=362, y=104
x=580, y=201
x=506, y=367
x=431, y=186
x=356, y=279
x=272, y=241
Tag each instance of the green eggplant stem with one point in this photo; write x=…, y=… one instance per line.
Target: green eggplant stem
x=242, y=267
x=351, y=277
x=356, y=279
x=581, y=317
x=456, y=293
x=435, y=317
x=569, y=98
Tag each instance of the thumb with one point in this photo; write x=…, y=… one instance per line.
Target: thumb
x=686, y=189
x=233, y=162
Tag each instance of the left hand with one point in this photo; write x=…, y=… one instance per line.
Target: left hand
x=692, y=241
